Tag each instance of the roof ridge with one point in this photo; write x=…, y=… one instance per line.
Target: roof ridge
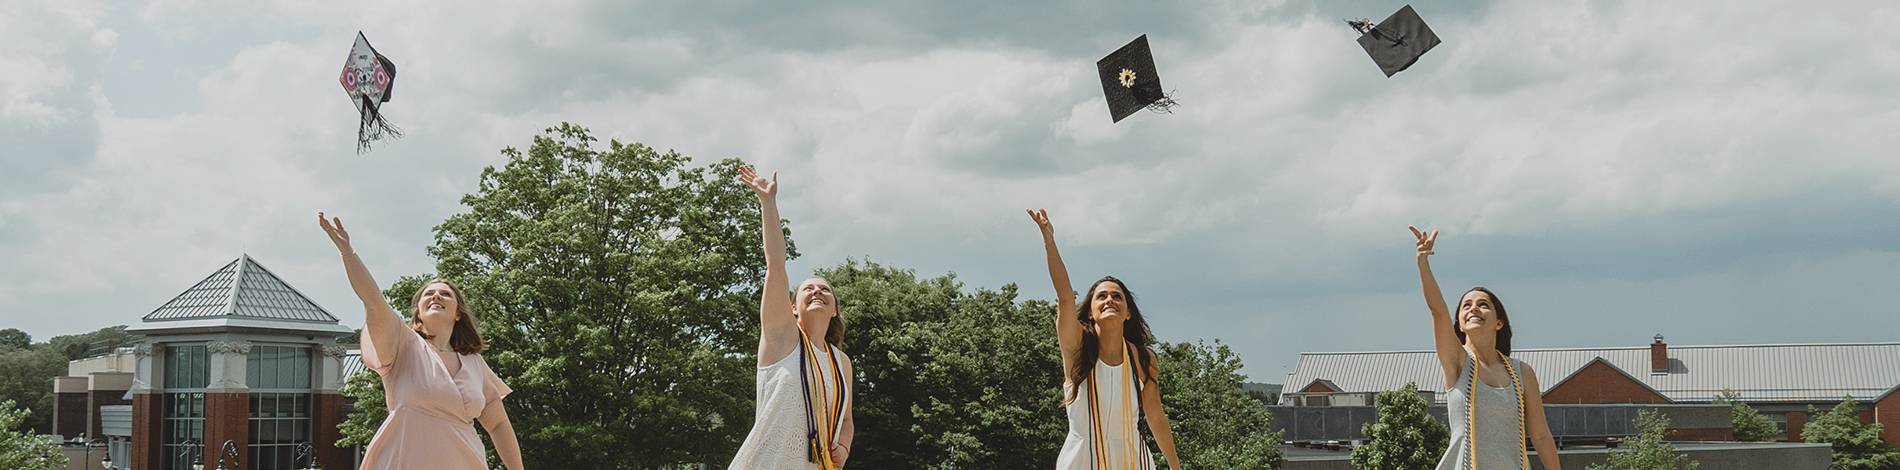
x=243, y=288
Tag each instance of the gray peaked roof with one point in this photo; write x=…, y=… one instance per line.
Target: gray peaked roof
x=1764, y=372
x=242, y=294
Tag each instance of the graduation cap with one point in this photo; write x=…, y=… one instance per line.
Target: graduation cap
x=1130, y=82
x=368, y=78
x=1396, y=42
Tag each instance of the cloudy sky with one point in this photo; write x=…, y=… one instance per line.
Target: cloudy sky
x=1719, y=172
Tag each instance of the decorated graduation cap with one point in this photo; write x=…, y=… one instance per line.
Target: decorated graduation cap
x=1396, y=42
x=368, y=78
x=1130, y=83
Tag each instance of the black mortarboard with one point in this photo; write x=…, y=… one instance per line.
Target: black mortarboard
x=369, y=78
x=1396, y=42
x=1129, y=80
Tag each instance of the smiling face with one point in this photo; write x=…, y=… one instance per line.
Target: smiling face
x=814, y=296
x=1478, y=313
x=1108, y=303
x=438, y=304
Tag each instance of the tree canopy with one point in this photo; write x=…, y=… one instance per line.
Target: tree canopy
x=1857, y=445
x=1406, y=437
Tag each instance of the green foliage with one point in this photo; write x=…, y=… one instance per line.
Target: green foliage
x=1216, y=425
x=1857, y=445
x=1647, y=451
x=84, y=345
x=367, y=388
x=1749, y=425
x=26, y=377
x=24, y=450
x=12, y=339
x=948, y=378
x=1406, y=437
x=617, y=291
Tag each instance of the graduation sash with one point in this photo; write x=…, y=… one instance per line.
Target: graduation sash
x=1471, y=414
x=824, y=406
x=1129, y=443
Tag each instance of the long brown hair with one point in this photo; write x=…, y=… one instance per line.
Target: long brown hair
x=1134, y=330
x=464, y=339
x=1504, y=334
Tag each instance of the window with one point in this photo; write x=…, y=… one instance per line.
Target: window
x=279, y=421
x=187, y=372
x=279, y=378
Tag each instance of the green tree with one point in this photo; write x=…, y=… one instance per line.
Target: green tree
x=1857, y=445
x=1647, y=451
x=1216, y=425
x=26, y=377
x=617, y=291
x=20, y=449
x=948, y=378
x=1749, y=425
x=12, y=339
x=367, y=388
x=1406, y=436
x=84, y=345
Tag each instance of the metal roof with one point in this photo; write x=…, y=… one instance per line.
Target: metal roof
x=1766, y=372
x=244, y=289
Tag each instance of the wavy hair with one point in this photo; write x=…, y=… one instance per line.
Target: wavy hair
x=1134, y=330
x=464, y=339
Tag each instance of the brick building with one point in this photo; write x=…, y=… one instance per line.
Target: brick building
x=1779, y=380
x=240, y=357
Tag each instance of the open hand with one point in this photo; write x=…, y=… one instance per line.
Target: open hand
x=763, y=187
x=1041, y=216
x=1425, y=241
x=338, y=235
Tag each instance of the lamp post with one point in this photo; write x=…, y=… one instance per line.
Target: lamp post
x=229, y=449
x=90, y=443
x=186, y=447
x=309, y=454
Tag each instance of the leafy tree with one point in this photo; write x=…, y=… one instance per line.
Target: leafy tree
x=617, y=291
x=1216, y=425
x=12, y=339
x=371, y=409
x=947, y=378
x=1647, y=451
x=1406, y=436
x=1857, y=445
x=20, y=449
x=26, y=377
x=84, y=345
x=1749, y=425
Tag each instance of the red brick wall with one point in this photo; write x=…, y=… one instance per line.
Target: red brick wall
x=1600, y=383
x=69, y=414
x=326, y=415
x=1887, y=411
x=227, y=418
x=146, y=453
x=1797, y=420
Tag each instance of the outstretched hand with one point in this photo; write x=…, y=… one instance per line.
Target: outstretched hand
x=1041, y=216
x=765, y=188
x=1425, y=241
x=339, y=236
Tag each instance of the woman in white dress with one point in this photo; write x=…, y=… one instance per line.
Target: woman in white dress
x=1474, y=353
x=1109, y=373
x=803, y=407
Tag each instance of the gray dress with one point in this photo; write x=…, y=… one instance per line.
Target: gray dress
x=1500, y=438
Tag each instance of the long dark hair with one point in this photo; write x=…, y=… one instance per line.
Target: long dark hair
x=1134, y=330
x=463, y=338
x=834, y=332
x=1504, y=334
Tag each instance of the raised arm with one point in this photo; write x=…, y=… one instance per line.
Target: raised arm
x=381, y=323
x=778, y=330
x=1068, y=329
x=1451, y=353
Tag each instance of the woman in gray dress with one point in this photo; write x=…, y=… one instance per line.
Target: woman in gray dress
x=1494, y=401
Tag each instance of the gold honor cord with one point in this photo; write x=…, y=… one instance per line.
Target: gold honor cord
x=819, y=443
x=1471, y=414
x=1131, y=446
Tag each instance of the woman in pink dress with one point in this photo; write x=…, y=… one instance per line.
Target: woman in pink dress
x=434, y=378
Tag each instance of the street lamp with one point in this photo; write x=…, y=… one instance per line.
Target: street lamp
x=309, y=454
x=186, y=448
x=228, y=449
x=94, y=442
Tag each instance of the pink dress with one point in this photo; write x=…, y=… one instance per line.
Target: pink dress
x=431, y=414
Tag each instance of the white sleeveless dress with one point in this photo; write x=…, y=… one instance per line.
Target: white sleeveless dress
x=1114, y=391
x=777, y=440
